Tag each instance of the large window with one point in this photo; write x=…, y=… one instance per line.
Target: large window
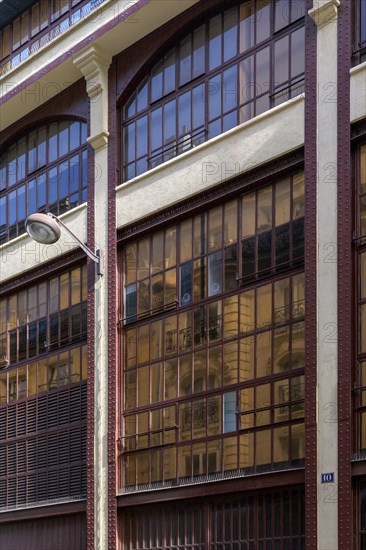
x=235, y=66
x=268, y=520
x=46, y=170
x=43, y=370
x=214, y=341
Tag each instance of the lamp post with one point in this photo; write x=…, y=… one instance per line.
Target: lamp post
x=46, y=229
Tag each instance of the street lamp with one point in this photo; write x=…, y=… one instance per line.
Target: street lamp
x=46, y=229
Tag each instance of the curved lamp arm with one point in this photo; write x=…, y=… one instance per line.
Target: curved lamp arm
x=41, y=220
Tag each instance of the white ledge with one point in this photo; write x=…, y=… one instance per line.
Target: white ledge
x=266, y=137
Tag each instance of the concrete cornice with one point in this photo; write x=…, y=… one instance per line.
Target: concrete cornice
x=93, y=63
x=324, y=11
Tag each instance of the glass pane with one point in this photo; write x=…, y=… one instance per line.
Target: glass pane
x=264, y=305
x=170, y=247
x=298, y=200
x=247, y=26
x=230, y=363
x=198, y=51
x=281, y=359
x=214, y=368
x=298, y=52
x=186, y=240
x=215, y=42
x=169, y=76
x=281, y=445
x=263, y=448
x=143, y=386
x=282, y=60
x=230, y=85
x=215, y=273
x=231, y=316
x=264, y=209
x=185, y=375
x=282, y=14
x=264, y=354
x=143, y=344
x=246, y=366
x=157, y=81
x=230, y=33
x=262, y=20
x=246, y=80
x=248, y=215
x=214, y=97
x=215, y=228
x=185, y=64
x=170, y=379
x=281, y=301
x=298, y=295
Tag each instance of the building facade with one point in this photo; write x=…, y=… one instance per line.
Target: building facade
x=207, y=390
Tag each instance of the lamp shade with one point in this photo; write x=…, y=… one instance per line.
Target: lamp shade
x=42, y=228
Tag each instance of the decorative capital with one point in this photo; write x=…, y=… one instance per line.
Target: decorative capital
x=324, y=11
x=98, y=141
x=93, y=63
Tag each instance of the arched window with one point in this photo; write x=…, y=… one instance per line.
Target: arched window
x=45, y=170
x=234, y=66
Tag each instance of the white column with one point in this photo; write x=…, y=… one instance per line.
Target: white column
x=94, y=64
x=324, y=13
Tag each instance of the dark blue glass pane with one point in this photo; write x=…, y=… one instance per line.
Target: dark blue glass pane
x=230, y=34
x=41, y=187
x=142, y=96
x=63, y=179
x=84, y=168
x=214, y=97
x=282, y=246
x=32, y=197
x=129, y=148
x=215, y=42
x=32, y=152
x=74, y=135
x=130, y=303
x=215, y=273
x=185, y=283
x=32, y=343
x=169, y=122
x=185, y=65
x=2, y=212
x=74, y=174
x=21, y=215
x=54, y=323
x=184, y=114
x=230, y=91
x=63, y=138
x=21, y=160
x=52, y=186
x=130, y=108
x=157, y=82
x=53, y=142
x=42, y=335
x=141, y=166
x=264, y=252
x=214, y=129
x=156, y=129
x=229, y=121
x=13, y=345
x=22, y=342
x=42, y=149
x=298, y=239
x=141, y=136
x=3, y=181
x=282, y=13
x=169, y=72
x=84, y=132
x=12, y=166
x=231, y=268
x=199, y=51
x=12, y=208
x=248, y=257
x=199, y=106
